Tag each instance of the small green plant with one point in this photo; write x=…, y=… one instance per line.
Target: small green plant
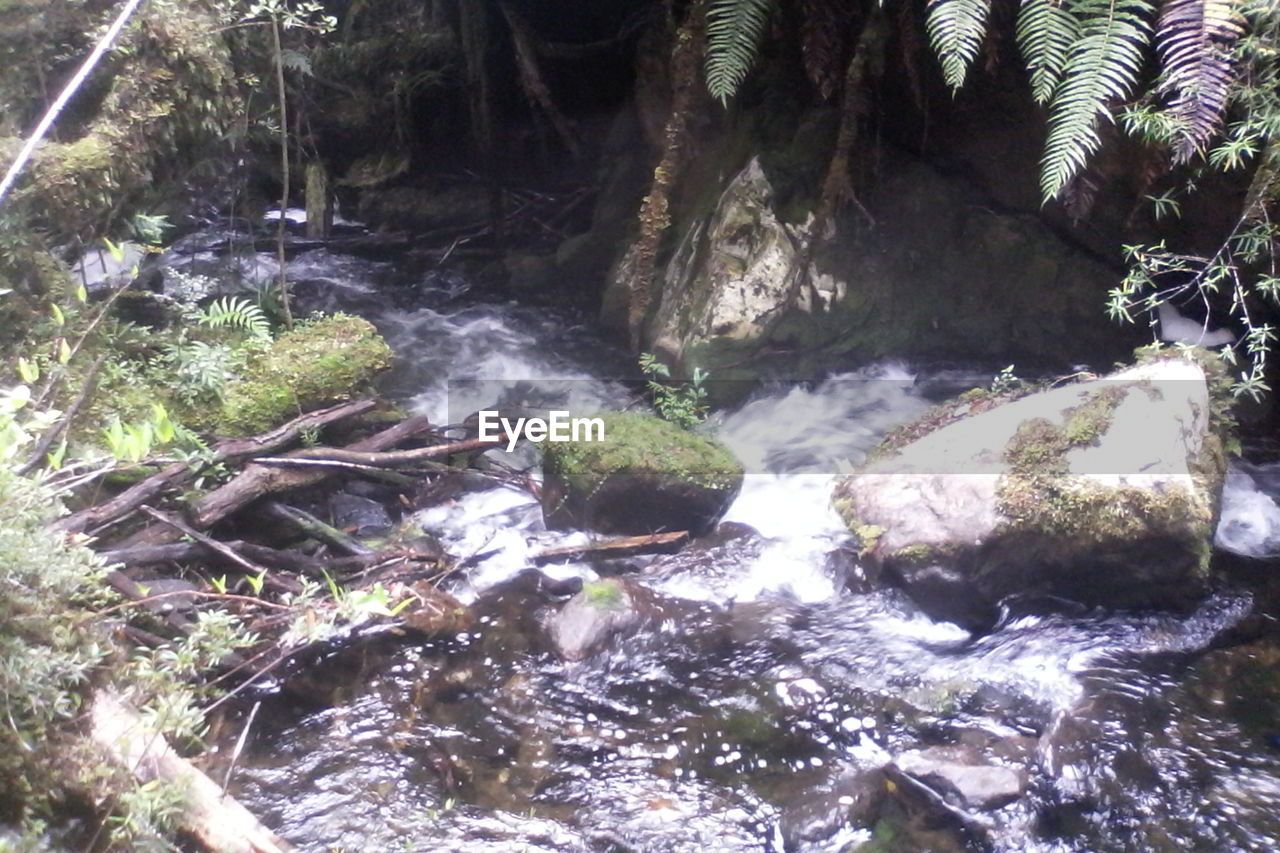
x=318, y=619
x=236, y=312
x=19, y=423
x=1005, y=381
x=202, y=369
x=134, y=442
x=309, y=436
x=681, y=403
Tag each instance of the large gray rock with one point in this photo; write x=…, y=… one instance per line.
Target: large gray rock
x=731, y=274
x=915, y=269
x=1102, y=492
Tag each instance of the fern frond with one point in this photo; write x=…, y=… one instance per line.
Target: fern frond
x=1195, y=40
x=956, y=28
x=1045, y=31
x=235, y=312
x=1100, y=68
x=734, y=31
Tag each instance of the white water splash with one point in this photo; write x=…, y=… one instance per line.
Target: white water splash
x=1249, y=523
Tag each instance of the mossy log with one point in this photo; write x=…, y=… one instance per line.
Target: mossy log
x=215, y=820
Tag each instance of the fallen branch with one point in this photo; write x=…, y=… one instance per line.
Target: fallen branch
x=288, y=561
x=207, y=541
x=257, y=481
x=179, y=473
x=382, y=474
x=393, y=459
x=654, y=543
x=315, y=528
x=218, y=822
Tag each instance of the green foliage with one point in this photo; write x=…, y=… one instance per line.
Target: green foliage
x=134, y=442
x=956, y=29
x=1102, y=66
x=684, y=403
x=1141, y=292
x=49, y=654
x=321, y=617
x=300, y=14
x=235, y=312
x=1046, y=31
x=202, y=369
x=1006, y=381
x=1195, y=38
x=734, y=31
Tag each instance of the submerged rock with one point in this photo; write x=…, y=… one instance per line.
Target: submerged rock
x=595, y=614
x=358, y=515
x=646, y=476
x=1102, y=492
x=429, y=610
x=979, y=784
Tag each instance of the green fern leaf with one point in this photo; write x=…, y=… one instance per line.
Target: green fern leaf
x=1195, y=38
x=1046, y=30
x=734, y=31
x=234, y=312
x=956, y=28
x=1100, y=68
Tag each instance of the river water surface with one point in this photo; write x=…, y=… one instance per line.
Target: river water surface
x=755, y=708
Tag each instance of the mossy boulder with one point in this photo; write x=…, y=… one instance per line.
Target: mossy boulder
x=317, y=364
x=646, y=476
x=1103, y=492
x=915, y=270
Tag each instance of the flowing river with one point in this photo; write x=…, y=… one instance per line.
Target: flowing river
x=756, y=705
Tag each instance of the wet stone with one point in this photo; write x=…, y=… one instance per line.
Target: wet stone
x=981, y=785
x=358, y=515
x=591, y=617
x=852, y=797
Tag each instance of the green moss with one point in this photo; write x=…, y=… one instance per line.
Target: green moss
x=975, y=401
x=923, y=555
x=643, y=445
x=607, y=594
x=1038, y=494
x=319, y=363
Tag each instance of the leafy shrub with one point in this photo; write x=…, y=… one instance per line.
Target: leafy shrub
x=683, y=404
x=49, y=651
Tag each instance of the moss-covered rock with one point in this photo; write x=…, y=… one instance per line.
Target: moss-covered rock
x=646, y=476
x=158, y=103
x=916, y=269
x=317, y=364
x=1104, y=492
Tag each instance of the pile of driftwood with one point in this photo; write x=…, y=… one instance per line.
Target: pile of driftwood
x=160, y=545
x=145, y=532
